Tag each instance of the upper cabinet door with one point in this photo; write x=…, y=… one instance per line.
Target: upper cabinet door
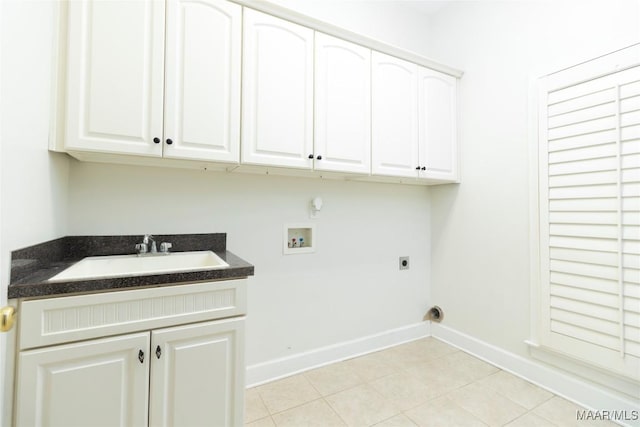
x=115, y=76
x=202, y=87
x=342, y=106
x=277, y=92
x=394, y=116
x=438, y=145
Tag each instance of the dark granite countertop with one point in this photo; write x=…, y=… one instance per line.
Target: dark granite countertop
x=32, y=267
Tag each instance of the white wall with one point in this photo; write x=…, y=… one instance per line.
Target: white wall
x=349, y=288
x=483, y=224
x=33, y=182
x=391, y=21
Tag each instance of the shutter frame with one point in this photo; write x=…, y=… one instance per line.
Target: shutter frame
x=589, y=195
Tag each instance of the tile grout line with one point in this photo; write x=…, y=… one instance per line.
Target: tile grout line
x=531, y=412
x=542, y=403
x=323, y=397
x=335, y=412
x=509, y=398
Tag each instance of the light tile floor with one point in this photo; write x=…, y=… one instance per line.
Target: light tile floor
x=421, y=383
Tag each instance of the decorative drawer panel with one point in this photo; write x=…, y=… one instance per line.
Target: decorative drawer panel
x=51, y=321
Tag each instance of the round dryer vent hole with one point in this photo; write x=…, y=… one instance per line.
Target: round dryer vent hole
x=435, y=314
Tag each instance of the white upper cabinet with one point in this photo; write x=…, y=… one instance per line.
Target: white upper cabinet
x=437, y=107
x=115, y=76
x=342, y=106
x=202, y=88
x=116, y=102
x=413, y=121
x=277, y=92
x=394, y=116
x=212, y=81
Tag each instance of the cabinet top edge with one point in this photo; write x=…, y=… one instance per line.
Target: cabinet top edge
x=333, y=30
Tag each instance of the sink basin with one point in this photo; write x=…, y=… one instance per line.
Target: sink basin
x=99, y=267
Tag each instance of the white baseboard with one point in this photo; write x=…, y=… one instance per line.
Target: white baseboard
x=569, y=387
x=279, y=368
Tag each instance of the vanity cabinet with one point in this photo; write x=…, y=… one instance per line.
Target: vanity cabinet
x=413, y=120
x=135, y=89
x=154, y=374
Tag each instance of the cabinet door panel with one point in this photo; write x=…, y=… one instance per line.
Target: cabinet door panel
x=277, y=93
x=438, y=148
x=342, y=106
x=93, y=383
x=394, y=116
x=115, y=75
x=202, y=96
x=198, y=378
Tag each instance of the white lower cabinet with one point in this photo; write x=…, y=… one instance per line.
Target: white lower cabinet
x=196, y=374
x=151, y=374
x=184, y=376
x=93, y=383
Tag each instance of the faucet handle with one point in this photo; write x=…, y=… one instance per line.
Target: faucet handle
x=146, y=238
x=164, y=247
x=141, y=248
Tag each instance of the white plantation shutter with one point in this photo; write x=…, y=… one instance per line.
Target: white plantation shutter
x=589, y=181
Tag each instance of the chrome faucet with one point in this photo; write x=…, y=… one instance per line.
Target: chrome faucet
x=148, y=246
x=149, y=238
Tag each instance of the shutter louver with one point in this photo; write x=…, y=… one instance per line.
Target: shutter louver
x=590, y=220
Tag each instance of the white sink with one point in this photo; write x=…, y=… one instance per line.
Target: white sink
x=99, y=267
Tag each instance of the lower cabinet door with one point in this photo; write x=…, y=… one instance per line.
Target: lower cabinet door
x=197, y=374
x=103, y=382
